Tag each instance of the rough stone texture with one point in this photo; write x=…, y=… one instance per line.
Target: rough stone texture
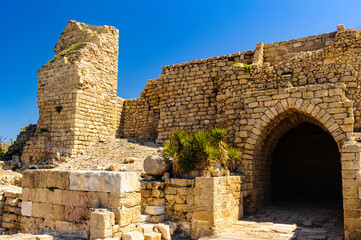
x=58, y=207
x=99, y=181
x=156, y=165
x=153, y=198
x=83, y=82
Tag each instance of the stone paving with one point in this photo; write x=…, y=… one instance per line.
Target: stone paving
x=284, y=220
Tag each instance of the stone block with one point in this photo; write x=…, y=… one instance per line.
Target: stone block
x=8, y=225
x=15, y=210
x=102, y=220
x=154, y=210
x=10, y=217
x=147, y=227
x=102, y=181
x=14, y=193
x=152, y=236
x=157, y=218
x=100, y=233
x=12, y=201
x=135, y=235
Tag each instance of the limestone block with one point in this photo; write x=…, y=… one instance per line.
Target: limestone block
x=100, y=233
x=102, y=220
x=12, y=201
x=147, y=227
x=164, y=230
x=14, y=193
x=135, y=235
x=101, y=181
x=9, y=217
x=157, y=218
x=8, y=225
x=15, y=210
x=154, y=210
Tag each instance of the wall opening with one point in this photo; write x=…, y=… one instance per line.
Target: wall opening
x=306, y=166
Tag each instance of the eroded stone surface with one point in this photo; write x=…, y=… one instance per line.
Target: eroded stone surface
x=100, y=181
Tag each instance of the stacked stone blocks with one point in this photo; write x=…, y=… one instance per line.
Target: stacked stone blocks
x=63, y=202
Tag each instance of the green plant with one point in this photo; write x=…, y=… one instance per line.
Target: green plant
x=58, y=108
x=73, y=47
x=83, y=72
x=246, y=67
x=199, y=150
x=51, y=189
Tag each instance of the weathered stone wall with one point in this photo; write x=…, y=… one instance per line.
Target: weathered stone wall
x=285, y=50
x=76, y=94
x=153, y=200
x=184, y=97
x=10, y=209
x=62, y=202
x=201, y=206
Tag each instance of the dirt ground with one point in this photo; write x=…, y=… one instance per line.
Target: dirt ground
x=121, y=154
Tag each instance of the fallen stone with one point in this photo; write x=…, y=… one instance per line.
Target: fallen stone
x=147, y=227
x=135, y=235
x=156, y=165
x=172, y=225
x=164, y=230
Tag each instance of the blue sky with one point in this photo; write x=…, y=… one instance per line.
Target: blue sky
x=152, y=34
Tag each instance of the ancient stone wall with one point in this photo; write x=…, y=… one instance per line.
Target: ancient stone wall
x=202, y=206
x=64, y=202
x=285, y=50
x=76, y=94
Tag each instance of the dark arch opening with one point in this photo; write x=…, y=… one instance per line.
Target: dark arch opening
x=306, y=166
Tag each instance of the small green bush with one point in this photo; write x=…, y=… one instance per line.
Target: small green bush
x=199, y=150
x=246, y=67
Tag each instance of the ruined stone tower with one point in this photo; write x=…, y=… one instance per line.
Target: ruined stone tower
x=76, y=93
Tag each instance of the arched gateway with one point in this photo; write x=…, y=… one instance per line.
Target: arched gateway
x=295, y=143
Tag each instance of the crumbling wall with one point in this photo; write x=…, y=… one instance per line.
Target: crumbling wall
x=76, y=94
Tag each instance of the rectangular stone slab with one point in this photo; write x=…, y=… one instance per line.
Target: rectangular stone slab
x=104, y=181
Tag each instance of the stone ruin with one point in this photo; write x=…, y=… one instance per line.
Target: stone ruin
x=293, y=100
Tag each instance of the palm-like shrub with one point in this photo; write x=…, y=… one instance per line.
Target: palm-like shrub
x=199, y=150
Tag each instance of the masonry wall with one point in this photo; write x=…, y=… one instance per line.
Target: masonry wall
x=202, y=206
x=76, y=94
x=285, y=50
x=63, y=202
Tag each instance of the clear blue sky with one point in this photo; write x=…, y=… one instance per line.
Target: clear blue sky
x=152, y=34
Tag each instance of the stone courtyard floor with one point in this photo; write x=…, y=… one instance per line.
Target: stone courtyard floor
x=284, y=220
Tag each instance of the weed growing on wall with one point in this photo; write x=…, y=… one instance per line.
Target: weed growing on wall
x=199, y=150
x=73, y=47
